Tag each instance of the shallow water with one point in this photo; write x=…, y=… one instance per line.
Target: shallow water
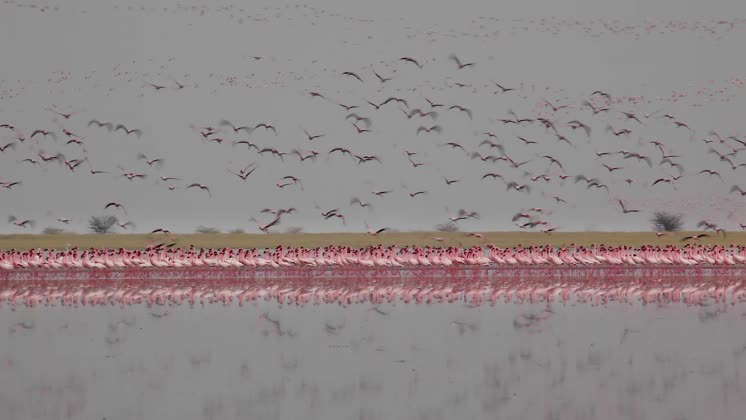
x=392, y=361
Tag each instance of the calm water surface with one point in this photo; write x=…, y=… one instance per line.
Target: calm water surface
x=393, y=361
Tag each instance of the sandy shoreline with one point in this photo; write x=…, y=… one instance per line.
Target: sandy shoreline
x=460, y=239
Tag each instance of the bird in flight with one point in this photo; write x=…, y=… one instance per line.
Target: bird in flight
x=21, y=223
x=626, y=210
x=465, y=110
x=236, y=129
x=460, y=64
x=555, y=108
x=697, y=236
x=109, y=126
x=201, y=187
x=435, y=128
x=738, y=189
x=381, y=78
x=128, y=131
x=115, y=205
x=502, y=88
x=312, y=137
x=411, y=60
x=357, y=201
x=351, y=74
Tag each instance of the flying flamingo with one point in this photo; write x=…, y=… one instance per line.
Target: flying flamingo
x=21, y=223
x=115, y=205
x=502, y=88
x=626, y=210
x=201, y=187
x=459, y=63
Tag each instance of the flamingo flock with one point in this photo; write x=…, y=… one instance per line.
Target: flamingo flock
x=125, y=280
x=382, y=256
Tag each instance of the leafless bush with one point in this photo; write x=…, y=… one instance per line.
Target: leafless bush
x=101, y=224
x=667, y=222
x=294, y=230
x=237, y=231
x=52, y=231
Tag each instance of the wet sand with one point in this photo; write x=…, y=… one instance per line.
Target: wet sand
x=393, y=361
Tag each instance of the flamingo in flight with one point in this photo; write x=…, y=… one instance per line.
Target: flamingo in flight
x=201, y=187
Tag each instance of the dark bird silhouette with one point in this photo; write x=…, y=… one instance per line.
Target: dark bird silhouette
x=357, y=201
x=459, y=63
x=631, y=116
x=659, y=180
x=518, y=187
x=434, y=105
x=604, y=94
x=738, y=189
x=128, y=131
x=351, y=74
x=201, y=187
x=115, y=205
x=126, y=225
x=553, y=160
x=266, y=227
x=594, y=109
x=266, y=126
x=156, y=87
x=502, y=88
x=520, y=215
x=340, y=149
x=21, y=223
x=375, y=233
x=467, y=111
x=358, y=118
x=44, y=133
x=44, y=158
x=312, y=137
x=417, y=111
x=248, y=144
x=450, y=181
x=436, y=128
x=411, y=60
x=555, y=108
x=711, y=172
x=381, y=78
x=157, y=161
x=611, y=168
x=697, y=236
x=401, y=101
x=623, y=131
x=236, y=129
x=526, y=141
x=626, y=210
x=454, y=145
x=575, y=124
x=10, y=185
x=243, y=174
x=360, y=130
x=107, y=125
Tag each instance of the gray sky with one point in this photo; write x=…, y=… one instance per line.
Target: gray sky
x=94, y=59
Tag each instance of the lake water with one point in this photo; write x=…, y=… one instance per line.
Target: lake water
x=391, y=361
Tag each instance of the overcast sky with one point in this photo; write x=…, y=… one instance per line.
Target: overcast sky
x=96, y=58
